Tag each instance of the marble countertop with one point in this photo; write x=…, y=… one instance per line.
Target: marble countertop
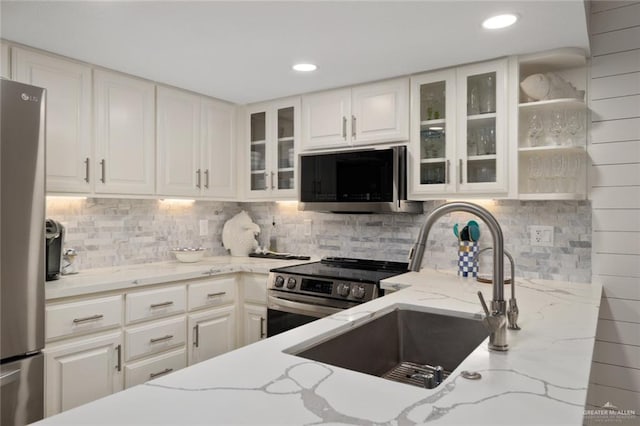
x=542, y=379
x=131, y=276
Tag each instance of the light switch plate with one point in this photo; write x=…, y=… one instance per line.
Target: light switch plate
x=541, y=236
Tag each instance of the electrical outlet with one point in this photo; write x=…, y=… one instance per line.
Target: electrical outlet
x=541, y=236
x=307, y=227
x=204, y=228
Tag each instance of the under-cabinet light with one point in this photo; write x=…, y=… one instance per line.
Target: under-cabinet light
x=177, y=200
x=500, y=21
x=65, y=197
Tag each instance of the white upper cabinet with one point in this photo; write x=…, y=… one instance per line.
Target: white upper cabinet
x=367, y=114
x=124, y=134
x=325, y=118
x=273, y=130
x=195, y=145
x=218, y=165
x=68, y=128
x=178, y=126
x=380, y=112
x=5, y=60
x=459, y=132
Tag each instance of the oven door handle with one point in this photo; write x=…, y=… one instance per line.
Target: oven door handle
x=285, y=305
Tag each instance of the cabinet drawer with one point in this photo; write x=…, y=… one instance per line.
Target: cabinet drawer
x=158, y=366
x=155, y=337
x=217, y=292
x=155, y=303
x=83, y=316
x=255, y=288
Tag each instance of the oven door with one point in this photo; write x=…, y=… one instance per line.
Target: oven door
x=293, y=310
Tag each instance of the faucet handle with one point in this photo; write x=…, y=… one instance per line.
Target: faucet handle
x=484, y=305
x=492, y=321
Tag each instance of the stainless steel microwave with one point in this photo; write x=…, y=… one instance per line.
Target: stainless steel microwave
x=358, y=181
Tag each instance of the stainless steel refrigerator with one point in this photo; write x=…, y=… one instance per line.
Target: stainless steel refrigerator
x=22, y=248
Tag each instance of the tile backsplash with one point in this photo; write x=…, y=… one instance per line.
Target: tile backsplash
x=109, y=232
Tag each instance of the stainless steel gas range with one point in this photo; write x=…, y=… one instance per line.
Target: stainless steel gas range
x=303, y=293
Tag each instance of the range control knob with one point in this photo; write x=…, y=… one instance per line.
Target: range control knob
x=358, y=291
x=291, y=283
x=343, y=289
x=279, y=282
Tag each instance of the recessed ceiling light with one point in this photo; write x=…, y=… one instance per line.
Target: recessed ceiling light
x=500, y=21
x=304, y=67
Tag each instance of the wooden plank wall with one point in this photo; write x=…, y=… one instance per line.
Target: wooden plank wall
x=614, y=100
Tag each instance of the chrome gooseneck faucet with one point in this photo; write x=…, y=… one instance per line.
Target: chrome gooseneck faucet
x=495, y=320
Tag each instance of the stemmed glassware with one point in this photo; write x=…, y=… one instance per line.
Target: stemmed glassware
x=556, y=127
x=536, y=128
x=574, y=126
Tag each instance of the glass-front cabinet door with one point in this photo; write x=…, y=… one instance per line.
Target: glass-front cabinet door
x=433, y=128
x=258, y=151
x=273, y=129
x=482, y=117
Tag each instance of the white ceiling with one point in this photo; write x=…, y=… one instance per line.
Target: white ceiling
x=242, y=51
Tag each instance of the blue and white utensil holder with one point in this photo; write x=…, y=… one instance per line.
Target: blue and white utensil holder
x=467, y=260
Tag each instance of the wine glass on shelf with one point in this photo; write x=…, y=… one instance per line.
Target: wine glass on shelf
x=556, y=126
x=534, y=174
x=574, y=127
x=535, y=129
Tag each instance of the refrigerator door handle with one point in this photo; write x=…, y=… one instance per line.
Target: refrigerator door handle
x=10, y=377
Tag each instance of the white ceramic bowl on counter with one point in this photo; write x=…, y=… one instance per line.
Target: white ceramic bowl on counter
x=189, y=254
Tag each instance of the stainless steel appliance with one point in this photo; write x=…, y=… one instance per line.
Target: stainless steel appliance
x=22, y=263
x=303, y=293
x=356, y=181
x=54, y=237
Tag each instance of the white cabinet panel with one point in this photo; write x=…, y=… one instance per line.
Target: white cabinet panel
x=68, y=130
x=156, y=303
x=81, y=317
x=155, y=337
x=255, y=327
x=325, y=118
x=82, y=371
x=255, y=288
x=212, y=293
x=139, y=372
x=211, y=333
x=178, y=143
x=218, y=149
x=5, y=60
x=380, y=112
x=125, y=134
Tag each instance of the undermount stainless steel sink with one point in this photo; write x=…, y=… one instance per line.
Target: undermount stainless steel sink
x=404, y=345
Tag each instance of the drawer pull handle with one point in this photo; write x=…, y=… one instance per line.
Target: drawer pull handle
x=221, y=293
x=119, y=350
x=160, y=373
x=161, y=305
x=262, y=333
x=87, y=319
x=196, y=337
x=161, y=339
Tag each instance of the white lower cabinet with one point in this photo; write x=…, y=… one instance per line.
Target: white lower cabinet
x=139, y=372
x=255, y=323
x=211, y=333
x=82, y=370
x=155, y=337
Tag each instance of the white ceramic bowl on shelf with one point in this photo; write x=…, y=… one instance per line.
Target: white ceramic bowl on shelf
x=189, y=254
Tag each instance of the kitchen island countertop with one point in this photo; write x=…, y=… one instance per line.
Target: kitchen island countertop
x=542, y=379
